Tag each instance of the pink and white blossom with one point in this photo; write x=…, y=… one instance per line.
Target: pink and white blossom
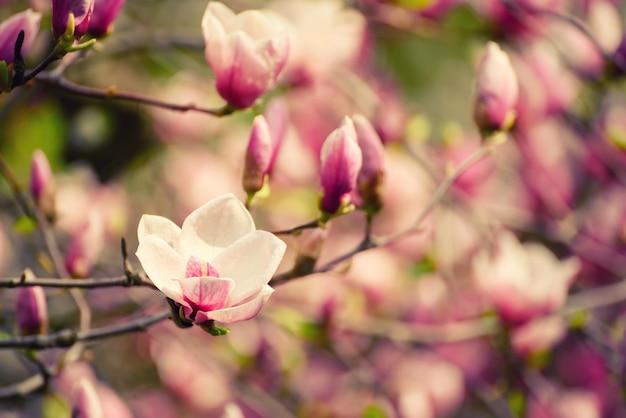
x=217, y=266
x=523, y=281
x=246, y=51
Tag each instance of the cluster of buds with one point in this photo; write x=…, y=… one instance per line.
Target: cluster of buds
x=73, y=19
x=352, y=169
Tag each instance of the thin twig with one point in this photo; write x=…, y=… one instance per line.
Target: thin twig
x=111, y=93
x=90, y=283
x=67, y=337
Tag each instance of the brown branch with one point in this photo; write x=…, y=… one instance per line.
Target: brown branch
x=90, y=283
x=67, y=337
x=111, y=93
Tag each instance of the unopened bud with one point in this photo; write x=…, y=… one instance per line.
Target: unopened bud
x=341, y=162
x=104, y=13
x=258, y=156
x=85, y=402
x=42, y=184
x=496, y=91
x=32, y=310
x=71, y=17
x=373, y=169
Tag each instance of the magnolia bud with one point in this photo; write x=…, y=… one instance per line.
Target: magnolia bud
x=85, y=401
x=341, y=162
x=258, y=156
x=496, y=91
x=32, y=311
x=104, y=13
x=310, y=248
x=28, y=21
x=80, y=10
x=42, y=184
x=373, y=168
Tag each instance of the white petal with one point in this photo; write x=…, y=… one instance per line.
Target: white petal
x=238, y=313
x=160, y=226
x=214, y=226
x=250, y=262
x=162, y=264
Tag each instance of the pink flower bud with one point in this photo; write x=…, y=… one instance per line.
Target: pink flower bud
x=28, y=21
x=32, y=311
x=246, y=51
x=104, y=13
x=341, y=162
x=42, y=184
x=86, y=402
x=373, y=168
x=61, y=9
x=258, y=156
x=496, y=91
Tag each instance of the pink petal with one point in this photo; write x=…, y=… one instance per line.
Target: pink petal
x=250, y=262
x=200, y=268
x=206, y=293
x=238, y=313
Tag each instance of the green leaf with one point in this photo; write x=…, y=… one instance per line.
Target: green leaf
x=517, y=402
x=24, y=225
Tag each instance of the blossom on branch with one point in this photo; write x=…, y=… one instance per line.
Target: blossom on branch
x=216, y=267
x=246, y=51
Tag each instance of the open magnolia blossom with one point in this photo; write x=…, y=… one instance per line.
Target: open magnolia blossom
x=217, y=266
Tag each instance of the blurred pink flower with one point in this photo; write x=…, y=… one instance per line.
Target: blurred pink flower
x=61, y=9
x=86, y=403
x=85, y=247
x=523, y=281
x=315, y=25
x=201, y=266
x=104, y=13
x=341, y=162
x=28, y=21
x=496, y=90
x=246, y=51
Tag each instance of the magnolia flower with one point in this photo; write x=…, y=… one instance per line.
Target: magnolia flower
x=31, y=310
x=524, y=281
x=496, y=90
x=28, y=21
x=42, y=183
x=246, y=51
x=217, y=266
x=258, y=156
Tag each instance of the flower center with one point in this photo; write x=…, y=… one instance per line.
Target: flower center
x=197, y=267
